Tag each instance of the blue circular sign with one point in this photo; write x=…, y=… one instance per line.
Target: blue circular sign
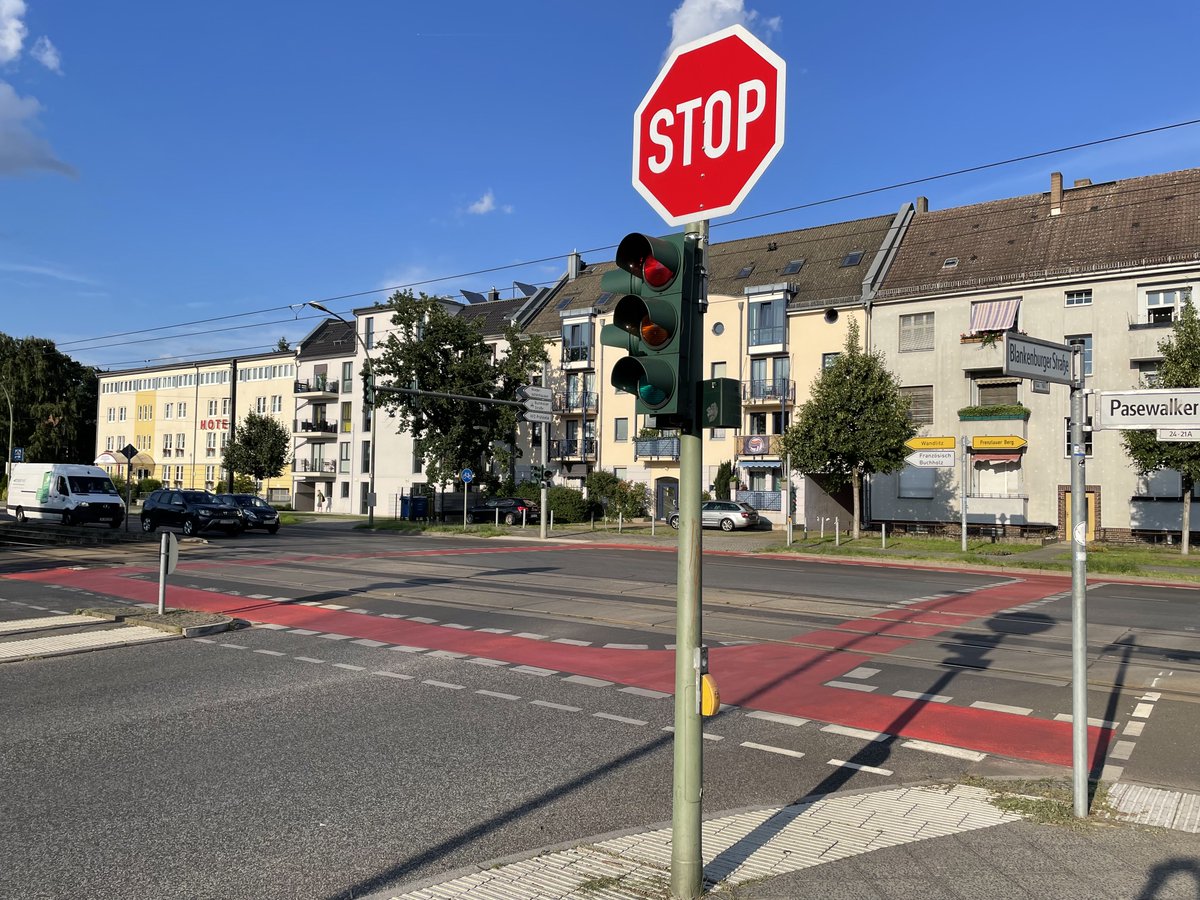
x=467, y=476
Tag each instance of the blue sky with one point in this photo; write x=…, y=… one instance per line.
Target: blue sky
x=166, y=163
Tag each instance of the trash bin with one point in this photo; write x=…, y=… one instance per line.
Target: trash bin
x=405, y=505
x=418, y=507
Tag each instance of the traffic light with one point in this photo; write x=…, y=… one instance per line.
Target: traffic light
x=536, y=473
x=658, y=287
x=547, y=478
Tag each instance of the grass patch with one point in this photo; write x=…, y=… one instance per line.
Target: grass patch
x=600, y=883
x=404, y=527
x=1045, y=801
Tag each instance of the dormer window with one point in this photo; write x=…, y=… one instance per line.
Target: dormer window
x=951, y=263
x=853, y=258
x=744, y=271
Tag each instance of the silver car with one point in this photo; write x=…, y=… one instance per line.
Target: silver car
x=724, y=514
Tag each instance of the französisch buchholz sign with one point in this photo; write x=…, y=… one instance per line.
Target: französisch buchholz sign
x=1141, y=410
x=1028, y=357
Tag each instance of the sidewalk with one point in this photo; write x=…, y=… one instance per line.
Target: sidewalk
x=929, y=842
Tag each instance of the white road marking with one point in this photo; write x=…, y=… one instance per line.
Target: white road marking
x=271, y=626
x=852, y=686
x=367, y=642
x=1121, y=750
x=484, y=661
x=423, y=620
x=850, y=765
x=448, y=654
x=258, y=597
x=590, y=682
x=703, y=734
x=392, y=616
x=777, y=717
x=304, y=631
x=534, y=670
x=644, y=692
x=626, y=646
x=308, y=659
x=1000, y=707
x=404, y=648
x=612, y=718
x=387, y=674
x=204, y=640
x=498, y=695
x=859, y=733
x=549, y=705
x=331, y=636
x=310, y=603
x=42, y=608
x=571, y=642
x=1134, y=729
x=234, y=646
x=782, y=751
x=1095, y=723
x=443, y=684
x=494, y=630
x=270, y=653
x=916, y=695
x=529, y=635
x=456, y=625
x=332, y=606
x=943, y=750
x=1151, y=696
x=861, y=672
x=349, y=667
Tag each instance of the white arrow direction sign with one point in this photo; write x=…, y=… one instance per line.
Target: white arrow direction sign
x=538, y=405
x=533, y=392
x=531, y=415
x=931, y=459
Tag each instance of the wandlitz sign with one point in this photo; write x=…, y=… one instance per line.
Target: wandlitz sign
x=1029, y=357
x=1175, y=408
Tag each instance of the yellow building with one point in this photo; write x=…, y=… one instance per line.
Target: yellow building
x=178, y=416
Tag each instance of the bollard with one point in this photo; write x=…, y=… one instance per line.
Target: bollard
x=837, y=532
x=620, y=521
x=822, y=528
x=523, y=511
x=551, y=523
x=883, y=535
x=593, y=521
x=497, y=517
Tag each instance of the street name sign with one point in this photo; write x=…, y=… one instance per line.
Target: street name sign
x=709, y=126
x=997, y=442
x=1178, y=434
x=533, y=415
x=930, y=443
x=1028, y=357
x=533, y=392
x=1173, y=408
x=538, y=405
x=931, y=459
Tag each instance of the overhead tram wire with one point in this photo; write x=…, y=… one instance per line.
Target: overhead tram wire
x=781, y=211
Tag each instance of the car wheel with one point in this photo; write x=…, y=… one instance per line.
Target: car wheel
x=470, y=519
x=21, y=515
x=727, y=524
x=147, y=524
x=510, y=519
x=674, y=522
x=66, y=517
x=189, y=527
x=273, y=528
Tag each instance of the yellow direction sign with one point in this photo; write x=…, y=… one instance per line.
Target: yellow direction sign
x=997, y=442
x=930, y=443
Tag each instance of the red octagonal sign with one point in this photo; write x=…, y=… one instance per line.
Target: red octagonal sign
x=709, y=126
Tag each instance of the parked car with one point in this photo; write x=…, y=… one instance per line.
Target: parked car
x=510, y=508
x=257, y=512
x=192, y=512
x=724, y=514
x=62, y=492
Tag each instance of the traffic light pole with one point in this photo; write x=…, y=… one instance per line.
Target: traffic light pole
x=544, y=495
x=687, y=863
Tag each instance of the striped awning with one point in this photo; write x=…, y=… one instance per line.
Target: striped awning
x=994, y=315
x=993, y=456
x=758, y=464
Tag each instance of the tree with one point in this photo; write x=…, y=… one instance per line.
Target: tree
x=260, y=448
x=723, y=479
x=854, y=424
x=1180, y=368
x=624, y=498
x=435, y=348
x=54, y=401
x=283, y=344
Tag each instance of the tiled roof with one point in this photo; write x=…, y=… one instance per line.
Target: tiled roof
x=493, y=314
x=329, y=339
x=1136, y=222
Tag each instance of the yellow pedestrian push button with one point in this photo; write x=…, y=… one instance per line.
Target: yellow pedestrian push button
x=710, y=697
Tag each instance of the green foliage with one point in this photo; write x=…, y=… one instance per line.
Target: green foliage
x=569, y=505
x=723, y=480
x=148, y=485
x=54, y=401
x=260, y=447
x=617, y=497
x=435, y=348
x=242, y=484
x=995, y=409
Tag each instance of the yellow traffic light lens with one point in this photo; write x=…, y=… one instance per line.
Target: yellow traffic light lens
x=653, y=334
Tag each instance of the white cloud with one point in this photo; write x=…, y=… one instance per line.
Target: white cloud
x=12, y=29
x=45, y=271
x=696, y=18
x=46, y=53
x=20, y=149
x=484, y=205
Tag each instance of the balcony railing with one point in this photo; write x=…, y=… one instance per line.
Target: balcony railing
x=575, y=402
x=576, y=353
x=323, y=466
x=760, y=500
x=299, y=427
x=573, y=448
x=772, y=390
x=319, y=385
x=656, y=448
x=767, y=335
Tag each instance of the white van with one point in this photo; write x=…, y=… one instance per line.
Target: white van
x=70, y=494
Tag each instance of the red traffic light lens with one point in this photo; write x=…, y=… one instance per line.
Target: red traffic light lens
x=653, y=334
x=655, y=273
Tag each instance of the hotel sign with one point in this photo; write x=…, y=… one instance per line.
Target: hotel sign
x=1174, y=408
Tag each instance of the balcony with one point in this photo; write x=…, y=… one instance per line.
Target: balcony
x=767, y=339
x=576, y=356
x=1144, y=338
x=773, y=390
x=319, y=388
x=314, y=431
x=575, y=403
x=313, y=468
x=663, y=448
x=981, y=352
x=573, y=448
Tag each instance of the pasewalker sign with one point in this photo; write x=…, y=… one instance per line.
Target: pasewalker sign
x=1142, y=410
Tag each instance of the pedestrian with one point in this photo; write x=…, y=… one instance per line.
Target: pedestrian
x=320, y=501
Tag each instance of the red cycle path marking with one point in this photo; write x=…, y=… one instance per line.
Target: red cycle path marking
x=780, y=678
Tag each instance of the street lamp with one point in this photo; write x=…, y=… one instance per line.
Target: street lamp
x=374, y=412
x=8, y=458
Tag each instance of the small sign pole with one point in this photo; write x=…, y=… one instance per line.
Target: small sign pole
x=962, y=490
x=164, y=552
x=1078, y=538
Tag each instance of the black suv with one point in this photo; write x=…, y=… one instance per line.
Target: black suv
x=257, y=512
x=509, y=510
x=191, y=511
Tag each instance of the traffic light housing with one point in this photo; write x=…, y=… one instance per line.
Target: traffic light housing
x=547, y=478
x=658, y=285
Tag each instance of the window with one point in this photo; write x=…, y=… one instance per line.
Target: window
x=920, y=410
x=1161, y=304
x=366, y=457
x=210, y=473
x=212, y=407
x=169, y=411
x=366, y=420
x=277, y=403
x=758, y=423
x=369, y=340
x=210, y=444
x=917, y=483
x=576, y=341
x=225, y=407
x=347, y=377
x=1087, y=437
x=951, y=263
x=347, y=418
x=916, y=332
x=996, y=474
x=744, y=271
x=620, y=472
x=182, y=410
x=167, y=443
x=767, y=323
x=121, y=414
x=179, y=439
x=853, y=258
x=718, y=370
x=1079, y=298
x=994, y=315
x=621, y=430
x=344, y=457
x=108, y=443
x=1148, y=372
x=1084, y=341
x=792, y=267
x=1165, y=483
x=260, y=405
x=997, y=391
x=112, y=414
x=418, y=463
x=345, y=490
x=828, y=359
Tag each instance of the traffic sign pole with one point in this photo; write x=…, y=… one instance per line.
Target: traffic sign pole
x=544, y=493
x=1078, y=538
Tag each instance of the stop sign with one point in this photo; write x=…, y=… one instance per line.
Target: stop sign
x=709, y=126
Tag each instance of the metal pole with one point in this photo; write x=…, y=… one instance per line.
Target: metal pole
x=687, y=863
x=8, y=456
x=162, y=573
x=544, y=494
x=787, y=494
x=962, y=493
x=1079, y=723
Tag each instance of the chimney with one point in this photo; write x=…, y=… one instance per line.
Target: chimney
x=1082, y=182
x=574, y=265
x=493, y=294
x=922, y=204
x=1055, y=193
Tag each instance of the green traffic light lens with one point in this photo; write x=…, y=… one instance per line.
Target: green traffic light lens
x=651, y=394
